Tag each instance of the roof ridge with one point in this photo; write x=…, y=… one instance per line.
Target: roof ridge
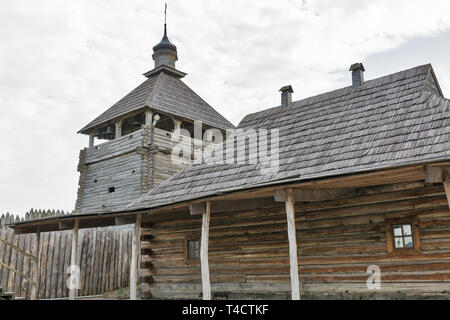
x=198, y=96
x=148, y=102
x=428, y=67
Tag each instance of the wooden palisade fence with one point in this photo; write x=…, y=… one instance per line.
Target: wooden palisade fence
x=103, y=255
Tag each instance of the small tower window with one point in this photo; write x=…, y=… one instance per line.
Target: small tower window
x=112, y=190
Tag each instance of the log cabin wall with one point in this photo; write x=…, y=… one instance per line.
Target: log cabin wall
x=337, y=241
x=164, y=166
x=116, y=172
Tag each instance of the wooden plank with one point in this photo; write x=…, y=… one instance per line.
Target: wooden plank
x=25, y=285
x=67, y=258
x=197, y=209
x=13, y=261
x=433, y=174
x=17, y=248
x=21, y=260
x=113, y=271
x=204, y=257
x=14, y=271
x=315, y=194
x=61, y=272
x=134, y=267
x=101, y=261
x=48, y=265
x=55, y=265
x=293, y=259
x=447, y=184
x=92, y=249
x=106, y=257
x=35, y=290
x=44, y=255
x=95, y=268
x=73, y=261
x=83, y=261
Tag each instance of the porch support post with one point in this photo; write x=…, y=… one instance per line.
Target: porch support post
x=290, y=211
x=206, y=284
x=447, y=184
x=135, y=258
x=73, y=259
x=35, y=290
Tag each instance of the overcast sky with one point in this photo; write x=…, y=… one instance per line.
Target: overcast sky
x=62, y=63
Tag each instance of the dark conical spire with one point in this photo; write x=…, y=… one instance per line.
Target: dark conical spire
x=165, y=53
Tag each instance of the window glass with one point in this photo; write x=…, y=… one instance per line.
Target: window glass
x=409, y=242
x=407, y=230
x=399, y=242
x=403, y=236
x=193, y=249
x=398, y=231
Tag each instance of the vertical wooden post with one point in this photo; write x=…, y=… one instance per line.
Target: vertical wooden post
x=148, y=118
x=290, y=211
x=447, y=184
x=118, y=129
x=73, y=258
x=91, y=140
x=35, y=291
x=204, y=253
x=177, y=124
x=134, y=267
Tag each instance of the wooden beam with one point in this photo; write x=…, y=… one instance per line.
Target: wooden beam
x=23, y=252
x=123, y=221
x=73, y=258
x=18, y=273
x=135, y=258
x=204, y=257
x=447, y=184
x=66, y=225
x=197, y=209
x=315, y=194
x=290, y=212
x=433, y=174
x=35, y=290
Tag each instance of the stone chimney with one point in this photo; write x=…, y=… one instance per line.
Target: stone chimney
x=286, y=96
x=357, y=70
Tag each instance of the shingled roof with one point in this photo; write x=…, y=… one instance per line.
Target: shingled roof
x=165, y=93
x=391, y=121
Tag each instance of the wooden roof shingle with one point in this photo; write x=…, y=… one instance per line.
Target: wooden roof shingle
x=165, y=93
x=394, y=120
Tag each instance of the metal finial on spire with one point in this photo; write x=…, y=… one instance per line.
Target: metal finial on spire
x=165, y=15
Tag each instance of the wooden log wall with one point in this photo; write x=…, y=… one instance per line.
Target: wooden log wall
x=104, y=257
x=124, y=164
x=164, y=167
x=337, y=241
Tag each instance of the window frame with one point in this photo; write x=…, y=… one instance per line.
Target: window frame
x=390, y=237
x=188, y=260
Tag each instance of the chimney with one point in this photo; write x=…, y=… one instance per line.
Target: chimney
x=357, y=70
x=286, y=96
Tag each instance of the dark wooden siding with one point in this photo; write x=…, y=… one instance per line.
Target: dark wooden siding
x=337, y=241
